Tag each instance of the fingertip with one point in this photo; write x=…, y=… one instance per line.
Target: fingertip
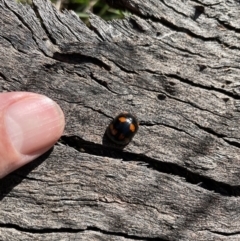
x=32, y=124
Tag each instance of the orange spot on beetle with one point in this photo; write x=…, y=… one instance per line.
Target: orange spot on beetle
x=121, y=137
x=122, y=119
x=113, y=131
x=132, y=128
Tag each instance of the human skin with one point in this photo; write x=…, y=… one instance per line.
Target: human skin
x=30, y=124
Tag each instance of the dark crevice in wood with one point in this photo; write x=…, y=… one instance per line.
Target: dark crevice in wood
x=67, y=27
x=229, y=27
x=35, y=9
x=102, y=83
x=176, y=28
x=173, y=9
x=98, y=111
x=96, y=31
x=207, y=4
x=119, y=234
x=21, y=19
x=184, y=51
x=124, y=69
x=74, y=58
x=165, y=22
x=210, y=131
x=72, y=230
x=136, y=26
x=3, y=76
x=224, y=233
x=164, y=167
x=143, y=123
x=233, y=143
x=10, y=42
x=187, y=81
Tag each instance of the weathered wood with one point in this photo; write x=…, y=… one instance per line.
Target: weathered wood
x=113, y=196
x=176, y=66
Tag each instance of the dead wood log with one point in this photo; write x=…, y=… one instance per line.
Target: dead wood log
x=175, y=64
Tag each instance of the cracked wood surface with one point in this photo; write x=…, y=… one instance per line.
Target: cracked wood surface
x=176, y=66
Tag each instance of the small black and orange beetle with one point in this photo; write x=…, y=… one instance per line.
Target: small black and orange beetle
x=122, y=129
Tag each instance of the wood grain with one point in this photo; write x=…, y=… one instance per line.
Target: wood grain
x=176, y=66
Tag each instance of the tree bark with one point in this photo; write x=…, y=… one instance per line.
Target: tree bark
x=176, y=66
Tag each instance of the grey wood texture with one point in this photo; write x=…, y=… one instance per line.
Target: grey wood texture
x=176, y=65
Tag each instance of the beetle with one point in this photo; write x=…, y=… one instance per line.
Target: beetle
x=122, y=128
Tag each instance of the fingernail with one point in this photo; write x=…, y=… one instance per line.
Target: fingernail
x=34, y=123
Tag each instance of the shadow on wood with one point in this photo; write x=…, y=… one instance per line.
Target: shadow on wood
x=12, y=180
